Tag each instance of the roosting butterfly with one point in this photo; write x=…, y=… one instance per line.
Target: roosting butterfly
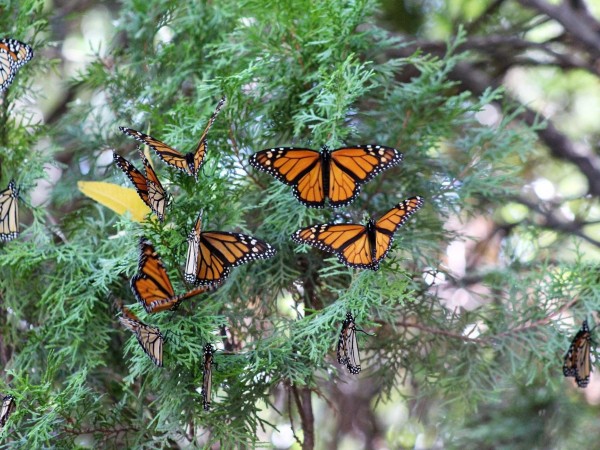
x=334, y=174
x=9, y=212
x=8, y=406
x=207, y=376
x=148, y=187
x=578, y=362
x=212, y=253
x=152, y=286
x=347, y=347
x=150, y=338
x=13, y=55
x=189, y=163
x=357, y=245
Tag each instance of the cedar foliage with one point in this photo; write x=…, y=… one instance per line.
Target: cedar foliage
x=303, y=73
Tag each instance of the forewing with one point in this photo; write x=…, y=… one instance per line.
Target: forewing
x=387, y=225
x=168, y=154
x=297, y=167
x=13, y=55
x=221, y=250
x=207, y=379
x=151, y=285
x=8, y=406
x=135, y=176
x=577, y=361
x=9, y=213
x=200, y=150
x=350, y=167
x=149, y=338
x=191, y=261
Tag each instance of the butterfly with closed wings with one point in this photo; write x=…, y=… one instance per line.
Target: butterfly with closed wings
x=189, y=163
x=8, y=406
x=150, y=338
x=577, y=361
x=208, y=363
x=152, y=286
x=13, y=55
x=347, y=347
x=148, y=187
x=357, y=245
x=9, y=212
x=334, y=174
x=211, y=254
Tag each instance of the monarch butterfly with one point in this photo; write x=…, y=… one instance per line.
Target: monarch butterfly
x=212, y=253
x=335, y=174
x=207, y=376
x=8, y=406
x=9, y=212
x=150, y=338
x=347, y=347
x=356, y=245
x=152, y=286
x=189, y=163
x=13, y=55
x=148, y=187
x=577, y=361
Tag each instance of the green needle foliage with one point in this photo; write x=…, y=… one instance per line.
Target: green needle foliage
x=302, y=73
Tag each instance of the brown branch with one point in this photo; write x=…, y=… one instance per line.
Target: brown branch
x=580, y=25
x=487, y=340
x=304, y=404
x=552, y=222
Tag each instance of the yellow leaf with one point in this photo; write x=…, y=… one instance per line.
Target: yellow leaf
x=118, y=198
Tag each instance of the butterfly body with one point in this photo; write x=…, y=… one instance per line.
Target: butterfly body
x=356, y=245
x=9, y=212
x=336, y=175
x=211, y=254
x=148, y=187
x=189, y=163
x=13, y=55
x=577, y=361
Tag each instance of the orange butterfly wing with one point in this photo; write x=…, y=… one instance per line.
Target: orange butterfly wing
x=217, y=251
x=150, y=338
x=301, y=168
x=387, y=225
x=13, y=55
x=148, y=187
x=350, y=242
x=151, y=285
x=9, y=212
x=350, y=167
x=577, y=362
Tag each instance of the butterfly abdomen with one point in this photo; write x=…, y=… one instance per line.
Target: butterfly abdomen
x=372, y=237
x=325, y=162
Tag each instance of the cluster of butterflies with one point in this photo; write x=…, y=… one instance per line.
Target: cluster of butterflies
x=578, y=361
x=316, y=176
x=13, y=55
